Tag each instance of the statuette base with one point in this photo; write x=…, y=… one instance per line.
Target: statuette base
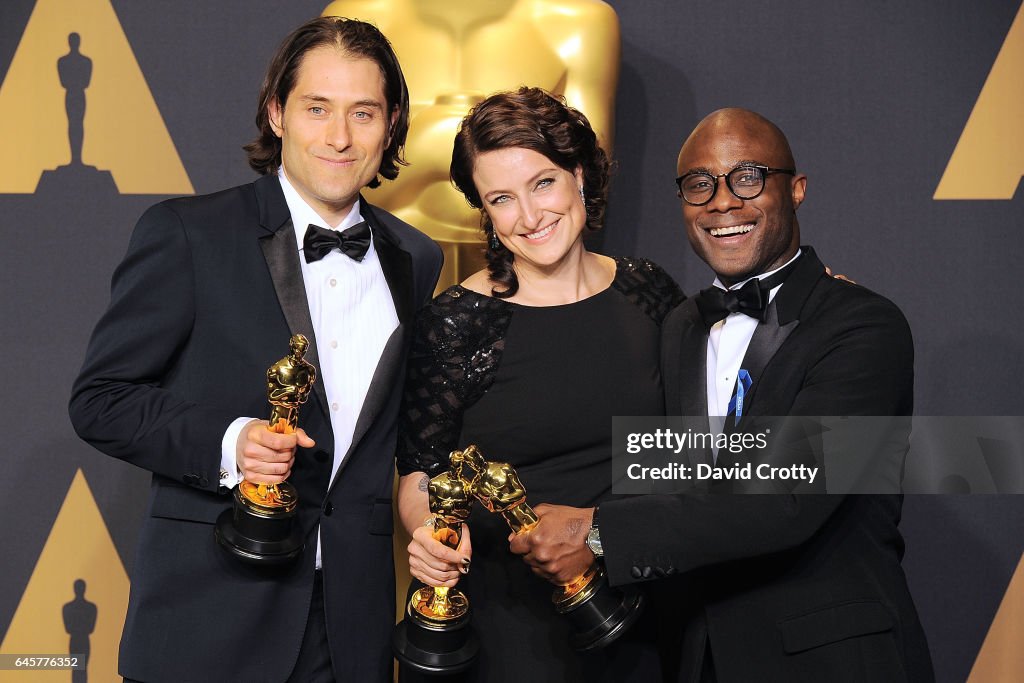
x=260, y=535
x=434, y=645
x=599, y=613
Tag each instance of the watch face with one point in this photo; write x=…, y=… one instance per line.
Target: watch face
x=594, y=542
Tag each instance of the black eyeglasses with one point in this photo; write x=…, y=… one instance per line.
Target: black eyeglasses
x=697, y=188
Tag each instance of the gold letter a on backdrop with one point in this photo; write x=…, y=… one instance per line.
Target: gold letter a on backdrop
x=74, y=94
x=1001, y=657
x=78, y=593
x=988, y=162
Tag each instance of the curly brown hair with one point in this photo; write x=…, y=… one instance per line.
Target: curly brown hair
x=533, y=119
x=356, y=38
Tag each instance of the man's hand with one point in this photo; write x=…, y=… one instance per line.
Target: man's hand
x=556, y=548
x=434, y=563
x=266, y=457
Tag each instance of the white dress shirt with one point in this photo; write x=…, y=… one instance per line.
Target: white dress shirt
x=353, y=317
x=727, y=344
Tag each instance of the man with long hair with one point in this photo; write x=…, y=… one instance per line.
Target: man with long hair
x=208, y=295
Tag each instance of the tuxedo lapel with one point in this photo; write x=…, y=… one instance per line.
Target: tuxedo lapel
x=395, y=262
x=693, y=363
x=684, y=363
x=281, y=252
x=783, y=318
x=767, y=340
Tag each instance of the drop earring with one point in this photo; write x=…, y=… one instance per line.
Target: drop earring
x=495, y=244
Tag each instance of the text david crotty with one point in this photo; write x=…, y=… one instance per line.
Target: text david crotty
x=702, y=472
x=666, y=439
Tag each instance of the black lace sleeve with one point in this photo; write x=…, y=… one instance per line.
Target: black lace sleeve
x=456, y=350
x=648, y=286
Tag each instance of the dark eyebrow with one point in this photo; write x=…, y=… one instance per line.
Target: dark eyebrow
x=533, y=179
x=368, y=103
x=545, y=171
x=361, y=103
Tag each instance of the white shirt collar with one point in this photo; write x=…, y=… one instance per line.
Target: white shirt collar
x=303, y=214
x=718, y=283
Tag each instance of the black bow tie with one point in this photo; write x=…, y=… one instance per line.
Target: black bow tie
x=353, y=242
x=751, y=299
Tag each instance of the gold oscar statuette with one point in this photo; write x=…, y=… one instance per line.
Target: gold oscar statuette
x=598, y=613
x=435, y=637
x=454, y=54
x=262, y=526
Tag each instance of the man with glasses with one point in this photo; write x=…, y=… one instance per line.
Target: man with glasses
x=765, y=587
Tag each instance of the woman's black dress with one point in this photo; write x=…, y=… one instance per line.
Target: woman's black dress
x=536, y=387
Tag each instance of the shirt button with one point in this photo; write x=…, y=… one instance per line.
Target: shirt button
x=334, y=343
x=334, y=406
x=333, y=282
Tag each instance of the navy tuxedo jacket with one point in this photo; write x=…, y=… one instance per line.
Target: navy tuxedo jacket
x=783, y=587
x=206, y=299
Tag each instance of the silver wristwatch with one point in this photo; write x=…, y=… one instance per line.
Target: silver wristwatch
x=594, y=538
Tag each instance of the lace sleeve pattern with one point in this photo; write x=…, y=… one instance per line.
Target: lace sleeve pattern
x=648, y=286
x=457, y=346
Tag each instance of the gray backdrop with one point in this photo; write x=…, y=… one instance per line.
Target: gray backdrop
x=873, y=96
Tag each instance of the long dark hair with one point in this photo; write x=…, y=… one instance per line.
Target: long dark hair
x=533, y=119
x=355, y=37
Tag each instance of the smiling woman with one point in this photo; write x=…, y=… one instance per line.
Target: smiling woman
x=535, y=208
x=532, y=163
x=528, y=360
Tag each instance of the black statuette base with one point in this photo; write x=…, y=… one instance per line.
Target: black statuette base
x=435, y=650
x=257, y=539
x=605, y=616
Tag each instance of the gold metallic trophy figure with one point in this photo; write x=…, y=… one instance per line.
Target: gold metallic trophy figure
x=262, y=526
x=599, y=613
x=453, y=55
x=434, y=637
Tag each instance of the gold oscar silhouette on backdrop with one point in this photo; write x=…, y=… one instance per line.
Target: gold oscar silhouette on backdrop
x=82, y=109
x=74, y=70
x=79, y=622
x=262, y=527
x=453, y=55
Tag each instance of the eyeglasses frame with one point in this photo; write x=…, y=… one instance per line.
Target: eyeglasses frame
x=765, y=170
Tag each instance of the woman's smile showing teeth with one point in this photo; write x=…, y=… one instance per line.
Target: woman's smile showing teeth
x=536, y=209
x=732, y=230
x=542, y=233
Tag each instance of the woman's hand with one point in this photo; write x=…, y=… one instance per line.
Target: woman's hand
x=434, y=563
x=828, y=271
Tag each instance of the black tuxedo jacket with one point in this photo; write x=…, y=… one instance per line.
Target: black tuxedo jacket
x=783, y=587
x=206, y=299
